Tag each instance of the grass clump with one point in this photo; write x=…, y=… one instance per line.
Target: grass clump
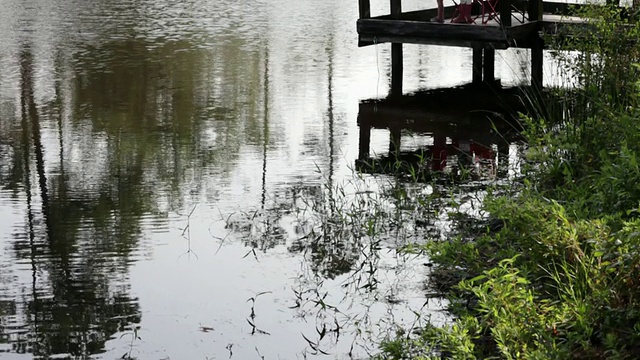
x=559, y=278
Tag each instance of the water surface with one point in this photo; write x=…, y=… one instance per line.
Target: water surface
x=164, y=165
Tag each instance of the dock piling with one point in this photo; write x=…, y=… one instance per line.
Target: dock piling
x=485, y=38
x=396, y=54
x=364, y=9
x=365, y=141
x=396, y=69
x=396, y=8
x=537, y=61
x=488, y=65
x=505, y=13
x=477, y=65
x=395, y=136
x=534, y=10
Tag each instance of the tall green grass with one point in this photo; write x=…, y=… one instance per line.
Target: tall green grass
x=558, y=279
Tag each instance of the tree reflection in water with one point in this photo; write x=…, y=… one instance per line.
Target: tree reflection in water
x=73, y=306
x=127, y=128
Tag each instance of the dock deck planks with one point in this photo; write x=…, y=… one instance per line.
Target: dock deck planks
x=387, y=30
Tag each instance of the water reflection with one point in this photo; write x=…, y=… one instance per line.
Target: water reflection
x=462, y=131
x=163, y=162
x=129, y=125
x=72, y=306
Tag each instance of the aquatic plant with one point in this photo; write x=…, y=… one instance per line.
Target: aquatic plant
x=354, y=234
x=558, y=277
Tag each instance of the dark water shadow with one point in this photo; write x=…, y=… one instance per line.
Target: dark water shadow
x=466, y=130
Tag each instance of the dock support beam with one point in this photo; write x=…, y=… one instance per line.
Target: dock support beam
x=505, y=13
x=537, y=60
x=488, y=65
x=534, y=10
x=439, y=153
x=396, y=8
x=396, y=69
x=537, y=55
x=365, y=141
x=477, y=65
x=395, y=136
x=483, y=64
x=364, y=8
x=503, y=160
x=396, y=54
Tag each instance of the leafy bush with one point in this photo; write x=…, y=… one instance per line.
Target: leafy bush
x=560, y=278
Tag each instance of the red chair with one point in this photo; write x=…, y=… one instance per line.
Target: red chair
x=488, y=10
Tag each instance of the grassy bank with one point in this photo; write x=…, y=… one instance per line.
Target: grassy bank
x=557, y=274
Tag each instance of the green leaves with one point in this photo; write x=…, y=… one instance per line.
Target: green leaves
x=561, y=278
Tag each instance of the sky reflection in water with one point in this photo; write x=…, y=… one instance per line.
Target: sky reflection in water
x=165, y=171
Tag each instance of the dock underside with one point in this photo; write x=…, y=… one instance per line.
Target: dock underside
x=415, y=28
x=437, y=109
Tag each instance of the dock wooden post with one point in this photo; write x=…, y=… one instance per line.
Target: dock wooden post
x=537, y=60
x=396, y=9
x=396, y=54
x=503, y=159
x=477, y=65
x=395, y=135
x=534, y=10
x=364, y=8
x=364, y=141
x=396, y=69
x=488, y=65
x=505, y=13
x=439, y=152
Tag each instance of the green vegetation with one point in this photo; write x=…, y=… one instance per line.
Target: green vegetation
x=556, y=275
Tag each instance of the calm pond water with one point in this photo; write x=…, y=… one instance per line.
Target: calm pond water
x=168, y=170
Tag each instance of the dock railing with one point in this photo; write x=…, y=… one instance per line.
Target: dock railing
x=534, y=10
x=534, y=18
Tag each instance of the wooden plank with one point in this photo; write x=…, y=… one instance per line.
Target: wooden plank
x=364, y=7
x=522, y=31
x=556, y=8
x=362, y=42
x=560, y=8
x=520, y=35
x=516, y=36
x=452, y=32
x=435, y=121
x=368, y=39
x=432, y=109
x=566, y=28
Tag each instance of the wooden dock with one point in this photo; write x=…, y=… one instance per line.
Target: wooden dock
x=515, y=23
x=463, y=129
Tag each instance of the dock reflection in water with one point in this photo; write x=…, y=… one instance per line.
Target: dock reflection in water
x=165, y=181
x=455, y=134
